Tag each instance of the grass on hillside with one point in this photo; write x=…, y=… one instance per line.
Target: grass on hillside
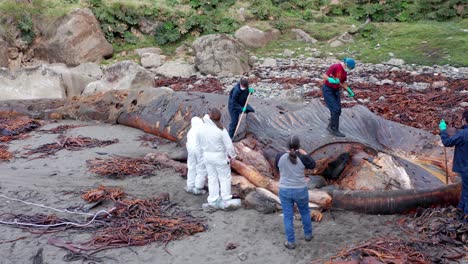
x=424, y=43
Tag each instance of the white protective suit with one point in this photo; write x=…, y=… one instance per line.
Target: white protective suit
x=196, y=174
x=217, y=147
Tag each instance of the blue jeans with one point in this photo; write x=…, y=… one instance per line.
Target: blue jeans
x=299, y=196
x=463, y=204
x=333, y=102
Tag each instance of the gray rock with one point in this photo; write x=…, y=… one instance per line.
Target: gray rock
x=439, y=84
x=151, y=60
x=176, y=68
x=153, y=50
x=464, y=104
x=121, y=76
x=269, y=62
x=336, y=43
x=220, y=54
x=255, y=38
x=73, y=39
x=381, y=99
x=303, y=36
x=413, y=73
x=395, y=62
x=419, y=86
x=374, y=80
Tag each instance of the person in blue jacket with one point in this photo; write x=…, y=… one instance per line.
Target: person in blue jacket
x=237, y=98
x=460, y=158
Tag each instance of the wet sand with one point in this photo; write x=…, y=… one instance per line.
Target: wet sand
x=58, y=181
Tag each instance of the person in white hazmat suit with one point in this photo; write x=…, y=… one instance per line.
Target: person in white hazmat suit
x=217, y=151
x=196, y=174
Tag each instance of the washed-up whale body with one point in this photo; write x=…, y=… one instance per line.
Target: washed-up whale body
x=166, y=113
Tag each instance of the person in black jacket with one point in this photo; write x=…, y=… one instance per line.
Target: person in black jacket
x=237, y=98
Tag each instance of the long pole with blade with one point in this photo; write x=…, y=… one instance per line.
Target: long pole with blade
x=242, y=115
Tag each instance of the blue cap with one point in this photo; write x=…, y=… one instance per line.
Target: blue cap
x=350, y=63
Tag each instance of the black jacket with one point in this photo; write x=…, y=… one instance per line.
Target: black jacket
x=237, y=99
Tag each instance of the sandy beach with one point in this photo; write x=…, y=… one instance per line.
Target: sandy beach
x=58, y=181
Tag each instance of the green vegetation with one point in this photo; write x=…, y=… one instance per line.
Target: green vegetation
x=406, y=28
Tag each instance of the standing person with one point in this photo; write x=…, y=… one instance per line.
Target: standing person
x=237, y=99
x=217, y=152
x=293, y=189
x=336, y=77
x=196, y=174
x=460, y=158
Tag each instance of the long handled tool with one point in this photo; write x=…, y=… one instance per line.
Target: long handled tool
x=242, y=115
x=446, y=166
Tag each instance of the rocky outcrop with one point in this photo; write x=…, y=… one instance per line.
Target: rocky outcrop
x=220, y=54
x=178, y=68
x=73, y=39
x=255, y=38
x=121, y=76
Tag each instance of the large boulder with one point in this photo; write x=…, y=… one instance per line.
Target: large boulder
x=255, y=38
x=177, y=68
x=121, y=76
x=73, y=39
x=43, y=81
x=220, y=54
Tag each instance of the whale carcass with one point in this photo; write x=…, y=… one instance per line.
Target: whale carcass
x=408, y=162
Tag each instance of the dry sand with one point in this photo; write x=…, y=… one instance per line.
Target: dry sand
x=57, y=181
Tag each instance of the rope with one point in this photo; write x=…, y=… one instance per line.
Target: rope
x=47, y=207
x=59, y=224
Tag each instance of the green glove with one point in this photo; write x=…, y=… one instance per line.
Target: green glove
x=442, y=125
x=333, y=80
x=251, y=90
x=350, y=92
x=244, y=109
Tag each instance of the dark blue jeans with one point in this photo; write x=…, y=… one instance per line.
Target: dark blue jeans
x=300, y=197
x=333, y=102
x=234, y=119
x=463, y=204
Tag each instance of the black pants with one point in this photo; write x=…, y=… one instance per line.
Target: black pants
x=333, y=102
x=234, y=119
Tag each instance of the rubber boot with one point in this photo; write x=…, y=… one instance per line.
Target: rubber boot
x=334, y=126
x=337, y=132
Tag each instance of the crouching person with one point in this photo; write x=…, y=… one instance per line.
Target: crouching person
x=217, y=151
x=293, y=189
x=196, y=175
